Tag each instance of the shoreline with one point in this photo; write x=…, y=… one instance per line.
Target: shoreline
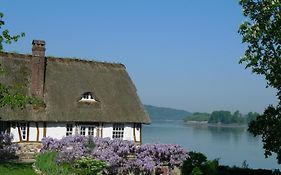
x=205, y=123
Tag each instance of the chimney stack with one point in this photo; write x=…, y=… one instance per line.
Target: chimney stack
x=38, y=68
x=38, y=48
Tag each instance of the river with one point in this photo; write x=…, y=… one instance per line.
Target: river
x=231, y=145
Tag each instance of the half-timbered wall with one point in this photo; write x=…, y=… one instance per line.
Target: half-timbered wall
x=35, y=131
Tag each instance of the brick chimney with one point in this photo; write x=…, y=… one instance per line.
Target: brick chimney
x=38, y=68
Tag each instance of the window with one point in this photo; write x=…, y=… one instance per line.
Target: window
x=87, y=97
x=69, y=129
x=138, y=126
x=91, y=131
x=23, y=130
x=118, y=131
x=82, y=130
x=86, y=130
x=4, y=127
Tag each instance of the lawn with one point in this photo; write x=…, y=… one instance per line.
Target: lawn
x=16, y=169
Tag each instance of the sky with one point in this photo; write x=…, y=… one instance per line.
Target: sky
x=182, y=54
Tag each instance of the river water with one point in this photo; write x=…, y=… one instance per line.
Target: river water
x=231, y=145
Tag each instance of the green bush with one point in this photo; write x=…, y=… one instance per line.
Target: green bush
x=196, y=171
x=46, y=162
x=198, y=161
x=89, y=166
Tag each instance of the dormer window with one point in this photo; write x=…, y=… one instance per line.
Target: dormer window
x=87, y=97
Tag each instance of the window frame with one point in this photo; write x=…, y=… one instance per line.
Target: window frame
x=91, y=130
x=69, y=129
x=118, y=130
x=87, y=97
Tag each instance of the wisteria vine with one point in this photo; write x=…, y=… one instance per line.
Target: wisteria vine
x=7, y=148
x=122, y=156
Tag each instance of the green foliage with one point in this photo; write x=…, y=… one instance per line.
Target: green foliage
x=197, y=163
x=262, y=33
x=5, y=36
x=89, y=166
x=196, y=171
x=268, y=126
x=251, y=116
x=12, y=97
x=46, y=163
x=90, y=144
x=225, y=117
x=226, y=170
x=197, y=116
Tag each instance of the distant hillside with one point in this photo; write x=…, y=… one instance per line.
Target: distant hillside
x=161, y=113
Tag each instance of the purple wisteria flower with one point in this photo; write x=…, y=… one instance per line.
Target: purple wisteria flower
x=7, y=148
x=122, y=156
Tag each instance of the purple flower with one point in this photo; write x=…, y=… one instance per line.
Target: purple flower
x=7, y=148
x=122, y=156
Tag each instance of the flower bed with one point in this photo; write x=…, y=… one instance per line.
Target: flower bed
x=121, y=156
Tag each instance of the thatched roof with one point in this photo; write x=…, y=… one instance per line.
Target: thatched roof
x=66, y=80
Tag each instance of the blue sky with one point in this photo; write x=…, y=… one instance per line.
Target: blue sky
x=180, y=53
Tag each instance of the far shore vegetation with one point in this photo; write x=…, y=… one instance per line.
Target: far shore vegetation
x=222, y=117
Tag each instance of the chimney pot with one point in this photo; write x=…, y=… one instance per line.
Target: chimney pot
x=38, y=48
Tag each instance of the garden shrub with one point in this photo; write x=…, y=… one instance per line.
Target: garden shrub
x=196, y=171
x=198, y=161
x=123, y=157
x=89, y=166
x=7, y=148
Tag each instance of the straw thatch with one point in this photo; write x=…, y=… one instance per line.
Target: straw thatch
x=65, y=82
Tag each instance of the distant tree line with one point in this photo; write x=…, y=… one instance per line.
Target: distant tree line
x=223, y=117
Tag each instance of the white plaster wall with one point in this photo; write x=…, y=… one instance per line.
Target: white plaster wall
x=128, y=132
x=56, y=130
x=14, y=132
x=107, y=130
x=32, y=131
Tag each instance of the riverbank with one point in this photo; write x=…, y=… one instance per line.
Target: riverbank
x=206, y=124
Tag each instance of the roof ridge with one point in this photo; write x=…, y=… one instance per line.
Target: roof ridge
x=68, y=59
x=62, y=59
x=15, y=54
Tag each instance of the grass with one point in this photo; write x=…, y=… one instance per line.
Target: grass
x=16, y=169
x=45, y=162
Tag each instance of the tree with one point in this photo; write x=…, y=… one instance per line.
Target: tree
x=262, y=33
x=251, y=116
x=5, y=37
x=224, y=117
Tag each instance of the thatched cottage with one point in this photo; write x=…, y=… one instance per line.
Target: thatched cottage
x=80, y=97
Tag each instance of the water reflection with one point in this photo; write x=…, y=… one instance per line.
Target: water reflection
x=232, y=145
x=219, y=133
x=252, y=139
x=226, y=133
